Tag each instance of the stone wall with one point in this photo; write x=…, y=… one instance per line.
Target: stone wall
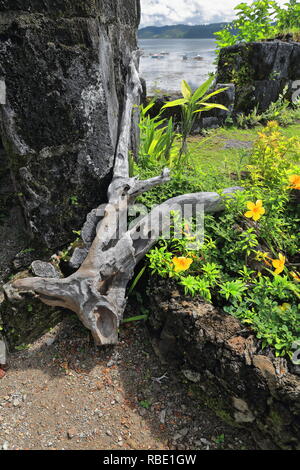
x=225, y=366
x=260, y=71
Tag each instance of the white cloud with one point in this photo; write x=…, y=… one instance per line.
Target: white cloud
x=166, y=12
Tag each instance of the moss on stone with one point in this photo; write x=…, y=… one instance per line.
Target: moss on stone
x=217, y=404
x=26, y=321
x=276, y=419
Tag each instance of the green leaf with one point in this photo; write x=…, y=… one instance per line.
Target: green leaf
x=172, y=104
x=202, y=90
x=145, y=404
x=152, y=146
x=137, y=318
x=207, y=97
x=147, y=108
x=136, y=280
x=209, y=106
x=186, y=90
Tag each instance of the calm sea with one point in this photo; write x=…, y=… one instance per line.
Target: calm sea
x=165, y=74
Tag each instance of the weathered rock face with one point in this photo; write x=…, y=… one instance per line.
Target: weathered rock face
x=260, y=71
x=227, y=371
x=64, y=64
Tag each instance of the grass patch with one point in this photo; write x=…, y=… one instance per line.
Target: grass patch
x=217, y=153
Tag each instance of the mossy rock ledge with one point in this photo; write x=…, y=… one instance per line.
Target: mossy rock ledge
x=225, y=366
x=260, y=72
x=25, y=321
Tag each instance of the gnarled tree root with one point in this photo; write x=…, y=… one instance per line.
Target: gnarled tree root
x=96, y=292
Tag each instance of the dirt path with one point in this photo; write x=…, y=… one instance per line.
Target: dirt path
x=62, y=394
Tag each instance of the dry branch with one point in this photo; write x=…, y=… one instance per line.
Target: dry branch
x=96, y=292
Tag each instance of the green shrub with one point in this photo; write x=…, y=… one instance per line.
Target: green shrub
x=263, y=19
x=273, y=155
x=248, y=262
x=191, y=105
x=157, y=140
x=288, y=20
x=281, y=111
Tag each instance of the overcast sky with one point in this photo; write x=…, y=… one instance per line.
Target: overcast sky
x=167, y=12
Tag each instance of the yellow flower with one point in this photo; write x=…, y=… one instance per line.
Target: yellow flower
x=295, y=181
x=295, y=276
x=182, y=264
x=263, y=256
x=187, y=233
x=273, y=124
x=255, y=210
x=284, y=307
x=279, y=264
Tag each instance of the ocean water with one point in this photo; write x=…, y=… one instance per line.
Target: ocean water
x=166, y=74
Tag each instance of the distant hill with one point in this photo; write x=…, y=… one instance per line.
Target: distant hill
x=181, y=31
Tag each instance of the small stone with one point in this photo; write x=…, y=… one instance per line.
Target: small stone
x=198, y=443
x=205, y=441
x=71, y=433
x=183, y=432
x=49, y=341
x=43, y=269
x=162, y=416
x=192, y=376
x=266, y=367
x=243, y=417
x=131, y=443
x=5, y=445
x=243, y=413
x=3, y=351
x=240, y=405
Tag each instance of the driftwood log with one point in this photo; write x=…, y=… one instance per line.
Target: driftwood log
x=96, y=292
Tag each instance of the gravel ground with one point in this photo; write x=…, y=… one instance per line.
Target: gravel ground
x=61, y=393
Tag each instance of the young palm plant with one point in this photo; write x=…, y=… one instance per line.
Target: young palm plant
x=192, y=104
x=157, y=139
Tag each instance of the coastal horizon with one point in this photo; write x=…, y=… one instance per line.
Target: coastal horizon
x=166, y=62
